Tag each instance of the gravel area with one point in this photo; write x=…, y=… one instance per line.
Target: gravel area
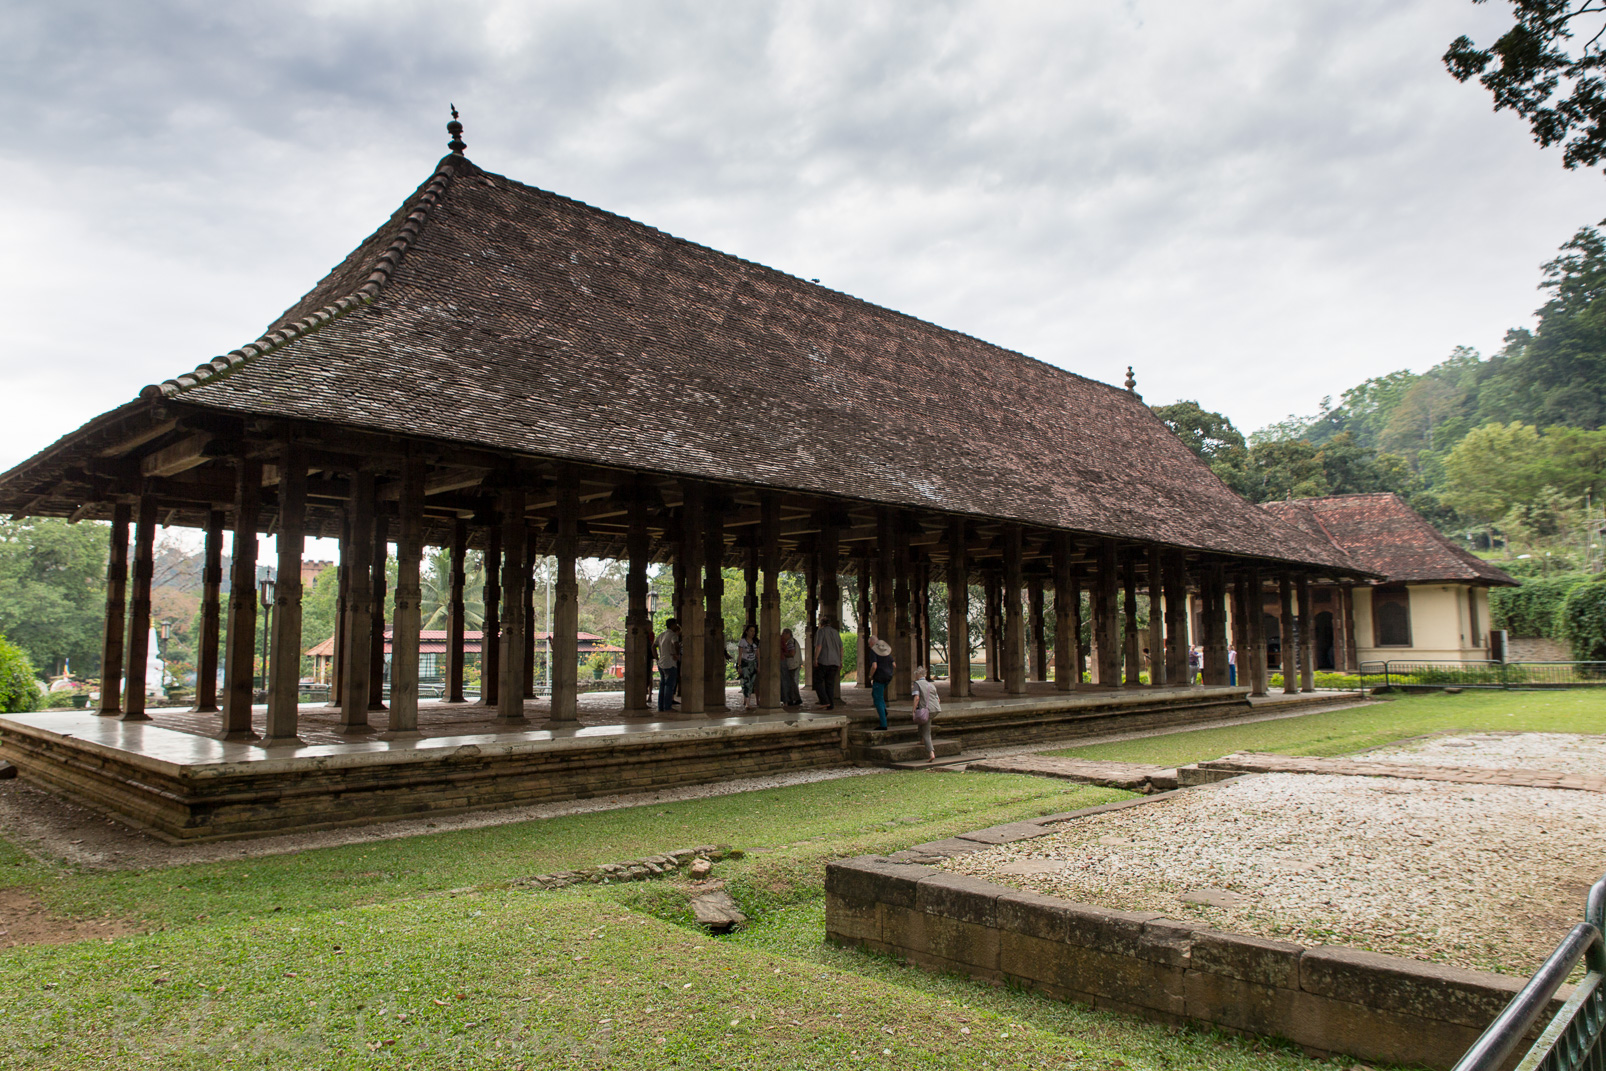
x=1479, y=876
x=1566, y=752
x=50, y=827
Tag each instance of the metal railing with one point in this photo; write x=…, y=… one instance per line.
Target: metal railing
x=1447, y=673
x=1574, y=1039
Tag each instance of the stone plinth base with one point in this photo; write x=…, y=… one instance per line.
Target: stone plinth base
x=185, y=787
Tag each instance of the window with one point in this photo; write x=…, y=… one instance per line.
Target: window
x=1391, y=616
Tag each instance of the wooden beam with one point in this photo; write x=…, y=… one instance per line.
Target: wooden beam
x=178, y=457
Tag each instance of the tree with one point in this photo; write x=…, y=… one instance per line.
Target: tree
x=19, y=688
x=1209, y=435
x=1544, y=76
x=1493, y=468
x=53, y=591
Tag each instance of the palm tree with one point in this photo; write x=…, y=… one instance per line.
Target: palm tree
x=437, y=589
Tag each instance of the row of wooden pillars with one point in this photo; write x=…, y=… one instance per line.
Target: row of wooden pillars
x=894, y=597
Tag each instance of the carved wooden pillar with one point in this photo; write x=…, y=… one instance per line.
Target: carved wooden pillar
x=811, y=609
x=769, y=616
x=357, y=650
x=714, y=602
x=1037, y=627
x=1065, y=638
x=206, y=654
x=958, y=612
x=111, y=641
x=638, y=626
x=1079, y=657
x=563, y=648
x=531, y=626
x=1106, y=625
x=139, y=609
x=1307, y=639
x=284, y=690
x=1240, y=631
x=1288, y=653
x=1014, y=626
x=1257, y=632
x=455, y=614
x=693, y=628
x=515, y=577
x=902, y=638
x=1156, y=591
x=239, y=657
x=1129, y=590
x=1216, y=629
x=829, y=544
x=992, y=641
x=491, y=620
x=864, y=625
x=337, y=664
x=376, y=649
x=1176, y=617
x=407, y=621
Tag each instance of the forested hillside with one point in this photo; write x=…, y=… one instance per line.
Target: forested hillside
x=1508, y=448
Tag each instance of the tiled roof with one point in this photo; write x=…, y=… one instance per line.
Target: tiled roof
x=1384, y=535
x=493, y=314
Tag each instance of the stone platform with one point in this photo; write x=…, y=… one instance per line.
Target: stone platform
x=187, y=786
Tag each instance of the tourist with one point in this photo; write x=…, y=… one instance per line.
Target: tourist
x=881, y=667
x=1195, y=660
x=649, y=650
x=827, y=663
x=1232, y=666
x=668, y=664
x=926, y=707
x=747, y=666
x=791, y=662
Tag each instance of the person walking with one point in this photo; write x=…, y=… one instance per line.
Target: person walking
x=926, y=707
x=882, y=665
x=747, y=666
x=1232, y=666
x=1195, y=661
x=827, y=663
x=791, y=662
x=668, y=664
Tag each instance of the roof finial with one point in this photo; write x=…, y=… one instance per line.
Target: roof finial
x=454, y=128
x=1131, y=380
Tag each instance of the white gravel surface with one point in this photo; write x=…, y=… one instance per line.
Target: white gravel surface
x=1567, y=752
x=1487, y=877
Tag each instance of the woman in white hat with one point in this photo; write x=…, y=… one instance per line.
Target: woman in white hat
x=881, y=667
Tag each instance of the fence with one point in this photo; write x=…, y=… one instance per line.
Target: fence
x=1442, y=673
x=1573, y=1040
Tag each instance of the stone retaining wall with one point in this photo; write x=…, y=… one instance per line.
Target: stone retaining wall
x=1328, y=1000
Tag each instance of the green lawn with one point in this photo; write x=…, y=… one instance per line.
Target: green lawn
x=420, y=953
x=1340, y=732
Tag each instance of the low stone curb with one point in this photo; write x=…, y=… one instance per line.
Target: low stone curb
x=1131, y=776
x=1328, y=999
x=1256, y=762
x=653, y=866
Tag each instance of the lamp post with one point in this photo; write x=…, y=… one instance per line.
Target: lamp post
x=163, y=632
x=652, y=609
x=265, y=587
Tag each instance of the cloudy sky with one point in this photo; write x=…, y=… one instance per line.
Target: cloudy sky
x=1254, y=202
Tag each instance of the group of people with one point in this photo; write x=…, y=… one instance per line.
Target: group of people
x=827, y=666
x=827, y=675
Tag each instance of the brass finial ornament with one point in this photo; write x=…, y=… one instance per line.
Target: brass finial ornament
x=1131, y=380
x=454, y=128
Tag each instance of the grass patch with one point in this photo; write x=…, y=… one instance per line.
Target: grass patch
x=1339, y=732
x=411, y=971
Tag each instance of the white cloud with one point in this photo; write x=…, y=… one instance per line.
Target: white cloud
x=1255, y=203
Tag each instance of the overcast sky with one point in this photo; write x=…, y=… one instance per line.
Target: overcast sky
x=1254, y=202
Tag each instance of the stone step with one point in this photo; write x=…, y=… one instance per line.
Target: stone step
x=944, y=763
x=914, y=751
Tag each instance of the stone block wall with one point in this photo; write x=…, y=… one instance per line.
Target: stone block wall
x=1329, y=1000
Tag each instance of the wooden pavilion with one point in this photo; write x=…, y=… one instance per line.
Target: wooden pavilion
x=502, y=368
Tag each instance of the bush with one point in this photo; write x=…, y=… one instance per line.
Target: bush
x=1535, y=609
x=19, y=689
x=850, y=654
x=1584, y=621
